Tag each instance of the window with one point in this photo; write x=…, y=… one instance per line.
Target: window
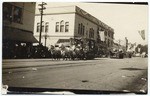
x=12, y=13
x=67, y=27
x=83, y=30
x=42, y=26
x=91, y=33
x=78, y=28
x=38, y=27
x=7, y=11
x=109, y=34
x=46, y=26
x=57, y=27
x=108, y=43
x=105, y=33
x=17, y=14
x=62, y=26
x=106, y=40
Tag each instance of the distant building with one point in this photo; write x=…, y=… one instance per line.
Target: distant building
x=119, y=44
x=18, y=24
x=65, y=22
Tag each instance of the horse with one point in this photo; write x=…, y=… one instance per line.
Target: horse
x=143, y=55
x=79, y=53
x=66, y=53
x=55, y=53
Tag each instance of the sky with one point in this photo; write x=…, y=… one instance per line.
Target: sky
x=125, y=19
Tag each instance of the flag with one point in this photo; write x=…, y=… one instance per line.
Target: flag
x=126, y=43
x=102, y=35
x=142, y=33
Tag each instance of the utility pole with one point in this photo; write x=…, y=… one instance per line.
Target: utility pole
x=41, y=11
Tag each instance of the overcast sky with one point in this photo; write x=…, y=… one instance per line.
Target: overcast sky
x=125, y=19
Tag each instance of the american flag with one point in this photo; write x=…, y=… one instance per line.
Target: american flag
x=142, y=34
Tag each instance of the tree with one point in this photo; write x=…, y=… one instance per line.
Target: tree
x=144, y=48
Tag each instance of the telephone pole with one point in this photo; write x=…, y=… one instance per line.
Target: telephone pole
x=41, y=11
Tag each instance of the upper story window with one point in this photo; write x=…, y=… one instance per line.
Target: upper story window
x=109, y=34
x=112, y=35
x=57, y=27
x=12, y=13
x=105, y=33
x=42, y=26
x=108, y=44
x=67, y=27
x=105, y=40
x=7, y=11
x=62, y=26
x=38, y=27
x=46, y=26
x=83, y=30
x=79, y=28
x=17, y=14
x=91, y=33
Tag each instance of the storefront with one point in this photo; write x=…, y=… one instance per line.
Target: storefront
x=17, y=43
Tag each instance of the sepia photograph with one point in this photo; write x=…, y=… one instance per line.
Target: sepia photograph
x=73, y=48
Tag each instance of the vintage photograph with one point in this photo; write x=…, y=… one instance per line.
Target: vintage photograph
x=74, y=48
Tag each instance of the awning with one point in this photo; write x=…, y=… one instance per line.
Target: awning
x=63, y=40
x=64, y=44
x=18, y=35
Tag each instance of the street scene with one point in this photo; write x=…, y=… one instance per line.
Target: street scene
x=71, y=47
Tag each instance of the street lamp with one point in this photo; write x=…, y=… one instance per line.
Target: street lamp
x=41, y=11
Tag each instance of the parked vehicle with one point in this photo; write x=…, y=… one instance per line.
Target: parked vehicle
x=119, y=54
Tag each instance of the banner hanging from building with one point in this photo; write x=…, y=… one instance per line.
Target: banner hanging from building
x=102, y=35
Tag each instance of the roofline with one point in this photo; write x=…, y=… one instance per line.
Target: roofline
x=76, y=12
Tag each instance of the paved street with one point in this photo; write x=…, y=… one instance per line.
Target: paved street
x=129, y=74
